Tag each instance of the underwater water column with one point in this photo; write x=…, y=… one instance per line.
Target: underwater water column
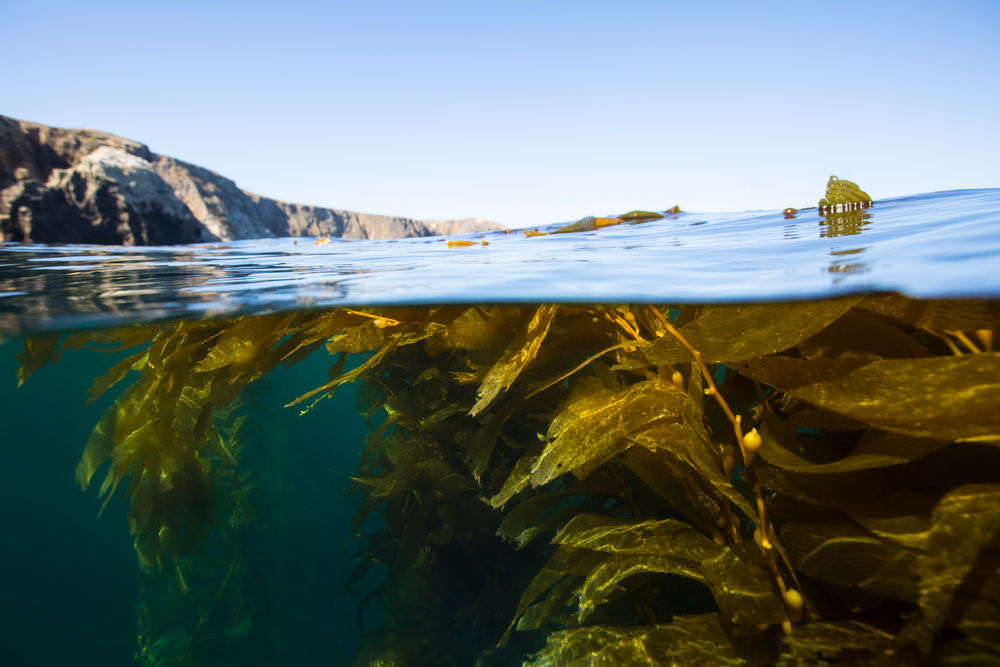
x=70, y=581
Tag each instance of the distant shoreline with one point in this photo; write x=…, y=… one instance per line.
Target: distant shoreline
x=85, y=186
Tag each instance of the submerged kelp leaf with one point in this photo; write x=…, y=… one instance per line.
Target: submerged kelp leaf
x=894, y=395
x=858, y=559
x=827, y=545
x=853, y=491
x=965, y=521
x=531, y=517
x=677, y=481
x=742, y=586
x=787, y=373
x=519, y=353
x=117, y=373
x=369, y=332
x=314, y=331
x=820, y=642
x=112, y=340
x=602, y=582
x=539, y=613
x=480, y=445
x=37, y=352
x=351, y=375
x=861, y=333
x=395, y=327
x=540, y=386
x=694, y=447
x=550, y=512
x=516, y=482
x=246, y=346
x=936, y=314
x=408, y=470
x=475, y=328
x=764, y=329
x=565, y=562
x=883, y=447
x=903, y=517
x=662, y=546
x=979, y=617
x=689, y=640
x=967, y=653
x=614, y=535
x=875, y=449
x=98, y=448
x=596, y=423
x=802, y=416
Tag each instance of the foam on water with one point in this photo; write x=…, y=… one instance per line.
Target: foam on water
x=944, y=244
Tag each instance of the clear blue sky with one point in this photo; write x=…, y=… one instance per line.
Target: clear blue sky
x=527, y=112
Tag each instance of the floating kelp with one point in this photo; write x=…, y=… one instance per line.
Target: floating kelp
x=590, y=223
x=843, y=196
x=634, y=484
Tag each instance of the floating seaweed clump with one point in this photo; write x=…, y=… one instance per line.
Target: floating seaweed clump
x=778, y=483
x=843, y=196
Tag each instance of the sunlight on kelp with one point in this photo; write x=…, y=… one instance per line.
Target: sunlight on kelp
x=630, y=484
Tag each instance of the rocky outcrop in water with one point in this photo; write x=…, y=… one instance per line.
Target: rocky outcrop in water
x=84, y=186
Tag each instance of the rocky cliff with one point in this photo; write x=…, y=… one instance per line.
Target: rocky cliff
x=83, y=186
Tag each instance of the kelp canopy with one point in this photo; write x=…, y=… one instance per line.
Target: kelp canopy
x=630, y=484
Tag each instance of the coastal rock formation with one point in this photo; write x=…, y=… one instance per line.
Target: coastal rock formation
x=83, y=186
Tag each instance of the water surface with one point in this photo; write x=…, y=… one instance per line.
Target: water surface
x=944, y=244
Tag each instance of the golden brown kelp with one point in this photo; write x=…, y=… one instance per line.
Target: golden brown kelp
x=217, y=617
x=591, y=223
x=801, y=491
x=747, y=483
x=158, y=436
x=842, y=195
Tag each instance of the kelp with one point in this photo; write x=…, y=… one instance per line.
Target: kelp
x=622, y=484
x=967, y=391
x=686, y=641
x=591, y=223
x=843, y=195
x=217, y=614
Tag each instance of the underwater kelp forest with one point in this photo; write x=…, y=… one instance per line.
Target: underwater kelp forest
x=544, y=482
x=776, y=483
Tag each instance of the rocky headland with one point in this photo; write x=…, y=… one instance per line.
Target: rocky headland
x=85, y=186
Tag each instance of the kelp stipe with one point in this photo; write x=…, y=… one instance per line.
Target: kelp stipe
x=761, y=483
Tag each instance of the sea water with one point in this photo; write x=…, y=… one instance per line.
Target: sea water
x=72, y=587
x=942, y=244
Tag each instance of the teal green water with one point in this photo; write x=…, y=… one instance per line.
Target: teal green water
x=70, y=580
